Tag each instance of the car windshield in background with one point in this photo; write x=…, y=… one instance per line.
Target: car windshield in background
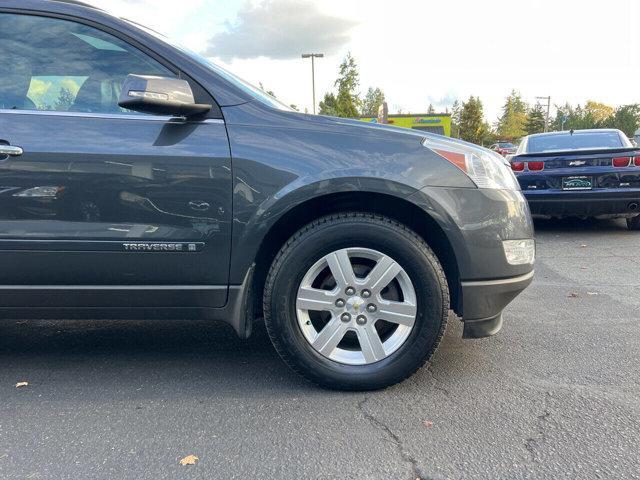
x=577, y=141
x=506, y=145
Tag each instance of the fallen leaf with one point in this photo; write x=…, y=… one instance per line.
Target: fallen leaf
x=428, y=423
x=573, y=295
x=189, y=460
x=22, y=384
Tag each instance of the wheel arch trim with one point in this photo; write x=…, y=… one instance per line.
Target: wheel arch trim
x=263, y=237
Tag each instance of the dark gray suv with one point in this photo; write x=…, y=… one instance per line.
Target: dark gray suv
x=138, y=180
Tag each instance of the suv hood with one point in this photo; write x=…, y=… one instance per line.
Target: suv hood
x=407, y=132
x=376, y=126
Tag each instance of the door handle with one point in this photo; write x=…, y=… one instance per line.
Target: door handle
x=10, y=151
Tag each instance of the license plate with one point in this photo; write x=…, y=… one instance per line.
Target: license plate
x=577, y=183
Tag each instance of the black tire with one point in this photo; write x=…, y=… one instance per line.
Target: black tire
x=332, y=233
x=633, y=223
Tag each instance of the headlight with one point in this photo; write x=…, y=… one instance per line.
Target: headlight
x=487, y=169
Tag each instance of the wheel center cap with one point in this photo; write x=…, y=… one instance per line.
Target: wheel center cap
x=356, y=305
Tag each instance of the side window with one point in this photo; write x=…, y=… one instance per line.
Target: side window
x=51, y=64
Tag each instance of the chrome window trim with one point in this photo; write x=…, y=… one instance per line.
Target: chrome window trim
x=108, y=116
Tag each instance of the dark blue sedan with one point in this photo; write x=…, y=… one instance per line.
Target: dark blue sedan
x=580, y=173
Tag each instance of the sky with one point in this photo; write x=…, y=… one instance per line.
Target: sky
x=419, y=52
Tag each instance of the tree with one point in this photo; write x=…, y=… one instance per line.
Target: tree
x=597, y=115
x=511, y=125
x=472, y=127
x=566, y=118
x=372, y=102
x=599, y=112
x=569, y=117
x=329, y=105
x=625, y=118
x=456, y=110
x=535, y=120
x=346, y=101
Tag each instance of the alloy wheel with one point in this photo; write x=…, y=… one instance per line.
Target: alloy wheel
x=356, y=306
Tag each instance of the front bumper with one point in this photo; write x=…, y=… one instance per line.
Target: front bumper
x=476, y=222
x=587, y=203
x=484, y=301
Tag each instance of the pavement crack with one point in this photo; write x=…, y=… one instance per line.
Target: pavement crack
x=437, y=383
x=542, y=422
x=404, y=455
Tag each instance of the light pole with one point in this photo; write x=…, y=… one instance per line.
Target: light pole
x=313, y=56
x=546, y=120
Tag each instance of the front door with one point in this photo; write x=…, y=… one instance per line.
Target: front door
x=99, y=204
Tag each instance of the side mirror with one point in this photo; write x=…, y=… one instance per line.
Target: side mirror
x=160, y=96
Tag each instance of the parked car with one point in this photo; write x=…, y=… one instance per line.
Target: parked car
x=582, y=173
x=142, y=181
x=504, y=148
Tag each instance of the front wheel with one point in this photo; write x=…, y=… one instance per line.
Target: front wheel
x=633, y=223
x=356, y=302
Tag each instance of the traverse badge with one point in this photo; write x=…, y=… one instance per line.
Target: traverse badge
x=162, y=247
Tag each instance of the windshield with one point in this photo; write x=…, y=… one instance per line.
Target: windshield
x=577, y=141
x=506, y=145
x=243, y=85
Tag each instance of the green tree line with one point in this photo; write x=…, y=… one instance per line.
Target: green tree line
x=517, y=118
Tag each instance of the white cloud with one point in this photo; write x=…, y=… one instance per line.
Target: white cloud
x=281, y=29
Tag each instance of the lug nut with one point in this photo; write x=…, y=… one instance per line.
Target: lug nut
x=361, y=320
x=350, y=291
x=345, y=317
x=371, y=308
x=340, y=303
x=366, y=293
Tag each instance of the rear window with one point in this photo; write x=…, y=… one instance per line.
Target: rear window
x=577, y=141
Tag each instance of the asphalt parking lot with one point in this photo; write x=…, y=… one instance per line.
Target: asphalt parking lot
x=555, y=395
